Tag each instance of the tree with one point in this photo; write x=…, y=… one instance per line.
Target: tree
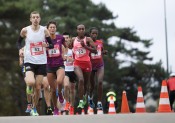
x=15, y=14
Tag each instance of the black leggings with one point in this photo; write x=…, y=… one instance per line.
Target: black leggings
x=172, y=98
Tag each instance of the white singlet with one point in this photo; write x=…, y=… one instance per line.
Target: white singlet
x=69, y=64
x=34, y=52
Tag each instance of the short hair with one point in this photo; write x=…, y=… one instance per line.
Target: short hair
x=81, y=25
x=51, y=22
x=93, y=28
x=66, y=33
x=34, y=12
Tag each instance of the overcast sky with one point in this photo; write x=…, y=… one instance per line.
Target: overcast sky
x=147, y=18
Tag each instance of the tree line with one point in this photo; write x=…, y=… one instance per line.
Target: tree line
x=120, y=74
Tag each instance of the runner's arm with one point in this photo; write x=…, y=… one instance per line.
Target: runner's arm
x=49, y=40
x=92, y=46
x=105, y=52
x=21, y=37
x=64, y=49
x=64, y=53
x=19, y=41
x=70, y=46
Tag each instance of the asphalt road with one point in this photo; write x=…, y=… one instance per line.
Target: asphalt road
x=103, y=118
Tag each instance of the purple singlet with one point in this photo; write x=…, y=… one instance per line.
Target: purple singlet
x=54, y=56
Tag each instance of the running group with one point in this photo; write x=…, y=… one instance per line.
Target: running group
x=57, y=62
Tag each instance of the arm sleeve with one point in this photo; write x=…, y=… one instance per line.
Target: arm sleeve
x=19, y=41
x=50, y=43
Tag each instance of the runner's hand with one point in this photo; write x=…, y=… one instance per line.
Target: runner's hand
x=105, y=52
x=82, y=43
x=21, y=52
x=70, y=59
x=44, y=44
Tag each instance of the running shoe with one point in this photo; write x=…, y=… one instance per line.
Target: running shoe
x=34, y=112
x=56, y=111
x=71, y=111
x=29, y=90
x=90, y=102
x=81, y=105
x=29, y=107
x=49, y=111
x=84, y=100
x=62, y=105
x=99, y=106
x=67, y=106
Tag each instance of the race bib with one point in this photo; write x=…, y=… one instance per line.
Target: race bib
x=69, y=63
x=55, y=52
x=97, y=55
x=79, y=52
x=36, y=48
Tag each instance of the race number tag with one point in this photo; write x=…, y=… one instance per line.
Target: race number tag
x=80, y=52
x=97, y=55
x=55, y=52
x=69, y=63
x=36, y=48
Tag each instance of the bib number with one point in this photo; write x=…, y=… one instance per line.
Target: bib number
x=97, y=55
x=80, y=52
x=55, y=52
x=69, y=63
x=36, y=48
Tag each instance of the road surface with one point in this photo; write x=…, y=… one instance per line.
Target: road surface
x=103, y=118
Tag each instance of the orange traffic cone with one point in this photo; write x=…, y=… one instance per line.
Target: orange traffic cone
x=140, y=106
x=124, y=106
x=90, y=110
x=164, y=103
x=82, y=112
x=111, y=109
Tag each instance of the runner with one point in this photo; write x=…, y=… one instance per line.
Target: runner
x=28, y=94
x=70, y=78
x=171, y=90
x=97, y=69
x=55, y=66
x=35, y=55
x=47, y=95
x=82, y=46
x=45, y=86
